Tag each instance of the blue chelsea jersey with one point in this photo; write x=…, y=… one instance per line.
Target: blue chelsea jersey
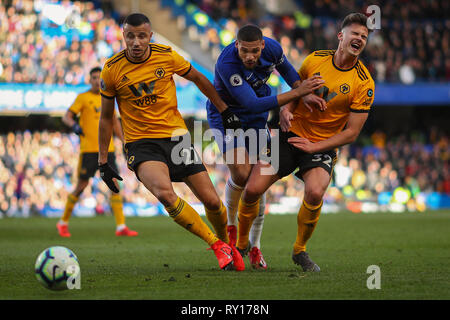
x=246, y=91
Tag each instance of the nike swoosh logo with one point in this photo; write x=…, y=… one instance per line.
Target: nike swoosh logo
x=226, y=253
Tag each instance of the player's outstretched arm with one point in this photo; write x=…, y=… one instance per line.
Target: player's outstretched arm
x=348, y=135
x=247, y=97
x=229, y=119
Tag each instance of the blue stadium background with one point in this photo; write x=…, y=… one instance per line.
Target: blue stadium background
x=400, y=163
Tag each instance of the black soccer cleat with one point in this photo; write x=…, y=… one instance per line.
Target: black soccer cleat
x=302, y=259
x=245, y=251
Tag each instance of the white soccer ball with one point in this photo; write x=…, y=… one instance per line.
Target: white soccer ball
x=57, y=268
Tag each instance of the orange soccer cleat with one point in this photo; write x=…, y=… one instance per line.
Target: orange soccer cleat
x=126, y=232
x=224, y=255
x=63, y=230
x=232, y=234
x=257, y=259
x=239, y=264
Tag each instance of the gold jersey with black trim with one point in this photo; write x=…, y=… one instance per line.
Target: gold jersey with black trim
x=88, y=105
x=344, y=90
x=146, y=93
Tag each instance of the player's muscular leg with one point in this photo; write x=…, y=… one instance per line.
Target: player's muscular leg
x=316, y=183
x=202, y=187
x=155, y=177
x=216, y=213
x=259, y=181
x=240, y=166
x=81, y=185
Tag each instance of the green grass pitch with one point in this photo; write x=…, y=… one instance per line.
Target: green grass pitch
x=167, y=262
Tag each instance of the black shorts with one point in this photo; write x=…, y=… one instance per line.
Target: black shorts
x=180, y=157
x=88, y=164
x=292, y=158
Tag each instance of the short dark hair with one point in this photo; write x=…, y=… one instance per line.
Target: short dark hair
x=95, y=69
x=136, y=19
x=355, y=17
x=249, y=33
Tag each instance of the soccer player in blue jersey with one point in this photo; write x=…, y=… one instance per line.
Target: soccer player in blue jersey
x=241, y=73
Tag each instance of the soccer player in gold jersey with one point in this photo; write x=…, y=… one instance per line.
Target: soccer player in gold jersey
x=140, y=78
x=309, y=140
x=87, y=106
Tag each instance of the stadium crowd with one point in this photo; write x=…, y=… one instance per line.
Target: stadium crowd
x=38, y=170
x=412, y=44
x=30, y=42
x=413, y=47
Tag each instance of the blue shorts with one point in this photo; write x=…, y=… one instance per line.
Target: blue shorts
x=255, y=136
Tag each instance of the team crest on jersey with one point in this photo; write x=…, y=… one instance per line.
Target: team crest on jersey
x=102, y=84
x=159, y=73
x=344, y=88
x=235, y=80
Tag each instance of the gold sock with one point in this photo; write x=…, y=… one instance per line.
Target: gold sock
x=70, y=204
x=117, y=208
x=307, y=219
x=218, y=219
x=183, y=214
x=247, y=212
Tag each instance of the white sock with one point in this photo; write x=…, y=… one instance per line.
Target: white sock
x=257, y=226
x=62, y=223
x=120, y=227
x=232, y=196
